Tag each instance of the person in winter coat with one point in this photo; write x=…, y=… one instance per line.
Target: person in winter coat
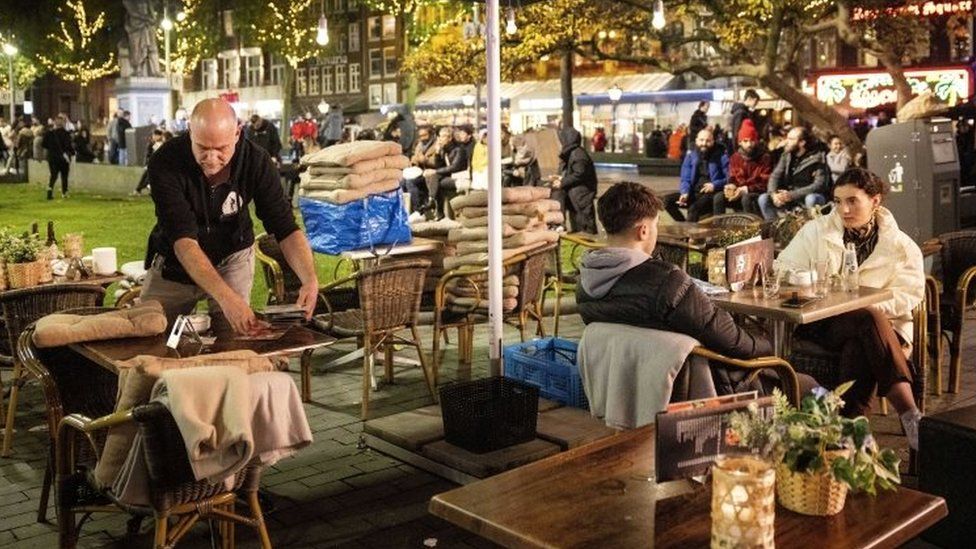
x=838, y=159
x=625, y=283
x=524, y=170
x=334, y=122
x=676, y=143
x=742, y=112
x=82, y=144
x=703, y=175
x=749, y=169
x=120, y=127
x=265, y=135
x=450, y=158
x=799, y=179
x=599, y=140
x=873, y=342
x=698, y=122
x=57, y=143
x=575, y=187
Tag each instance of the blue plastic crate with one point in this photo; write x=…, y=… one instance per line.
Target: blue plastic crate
x=549, y=364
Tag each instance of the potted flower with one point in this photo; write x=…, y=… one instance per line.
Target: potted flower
x=5, y=238
x=819, y=454
x=20, y=254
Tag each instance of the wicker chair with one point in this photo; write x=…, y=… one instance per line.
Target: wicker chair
x=958, y=263
x=821, y=364
x=71, y=384
x=283, y=283
x=563, y=273
x=389, y=298
x=529, y=267
x=173, y=491
x=733, y=221
x=21, y=308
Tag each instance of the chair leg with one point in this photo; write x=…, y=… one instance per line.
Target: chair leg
x=227, y=528
x=955, y=364
x=388, y=362
x=162, y=527
x=368, y=351
x=435, y=353
x=46, y=488
x=258, y=516
x=884, y=405
x=306, y=375
x=428, y=376
x=8, y=429
x=555, y=309
x=67, y=528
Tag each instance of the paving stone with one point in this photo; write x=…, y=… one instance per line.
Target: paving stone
x=409, y=430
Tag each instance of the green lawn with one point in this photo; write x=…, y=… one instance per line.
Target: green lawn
x=122, y=222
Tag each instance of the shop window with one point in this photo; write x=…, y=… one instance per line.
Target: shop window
x=313, y=81
x=353, y=37
x=277, y=70
x=340, y=79
x=208, y=74
x=326, y=80
x=374, y=26
x=389, y=27
x=390, y=93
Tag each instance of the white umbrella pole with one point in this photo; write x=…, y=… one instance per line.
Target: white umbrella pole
x=495, y=323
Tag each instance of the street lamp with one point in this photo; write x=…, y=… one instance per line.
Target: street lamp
x=322, y=33
x=323, y=107
x=615, y=93
x=10, y=51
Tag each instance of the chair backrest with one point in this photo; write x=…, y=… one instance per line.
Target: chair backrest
x=71, y=383
x=531, y=273
x=20, y=308
x=166, y=458
x=389, y=295
x=734, y=220
x=958, y=254
x=571, y=250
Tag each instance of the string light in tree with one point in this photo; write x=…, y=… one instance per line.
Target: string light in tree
x=70, y=55
x=510, y=26
x=322, y=32
x=658, y=21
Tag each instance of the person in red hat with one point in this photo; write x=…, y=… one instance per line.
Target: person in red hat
x=749, y=169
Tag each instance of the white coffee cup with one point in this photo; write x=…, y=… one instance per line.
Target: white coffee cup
x=104, y=261
x=802, y=278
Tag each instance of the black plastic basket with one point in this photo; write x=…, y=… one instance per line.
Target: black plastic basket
x=489, y=414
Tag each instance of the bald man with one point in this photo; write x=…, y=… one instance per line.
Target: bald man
x=703, y=173
x=201, y=246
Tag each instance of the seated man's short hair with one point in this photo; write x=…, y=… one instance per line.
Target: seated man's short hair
x=625, y=204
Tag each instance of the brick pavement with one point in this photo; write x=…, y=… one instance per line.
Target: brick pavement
x=335, y=493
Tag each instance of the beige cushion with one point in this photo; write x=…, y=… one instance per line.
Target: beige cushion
x=345, y=196
x=350, y=181
x=136, y=379
x=56, y=330
x=397, y=162
x=349, y=154
x=531, y=209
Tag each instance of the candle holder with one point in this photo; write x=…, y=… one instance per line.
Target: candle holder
x=73, y=245
x=743, y=502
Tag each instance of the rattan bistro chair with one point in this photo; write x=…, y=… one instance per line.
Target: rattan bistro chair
x=733, y=221
x=563, y=274
x=389, y=297
x=529, y=267
x=177, y=500
x=71, y=384
x=958, y=263
x=20, y=308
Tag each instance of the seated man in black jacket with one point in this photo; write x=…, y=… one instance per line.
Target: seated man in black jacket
x=624, y=284
x=451, y=159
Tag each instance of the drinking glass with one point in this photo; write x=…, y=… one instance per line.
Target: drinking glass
x=771, y=284
x=822, y=284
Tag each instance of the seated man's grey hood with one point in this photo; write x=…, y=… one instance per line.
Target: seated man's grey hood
x=600, y=269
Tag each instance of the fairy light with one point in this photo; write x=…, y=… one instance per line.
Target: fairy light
x=658, y=21
x=510, y=26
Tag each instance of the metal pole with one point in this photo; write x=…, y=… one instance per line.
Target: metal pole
x=476, y=19
x=169, y=70
x=495, y=323
x=613, y=129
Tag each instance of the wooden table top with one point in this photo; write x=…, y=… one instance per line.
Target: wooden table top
x=97, y=280
x=417, y=245
x=107, y=353
x=751, y=302
x=603, y=495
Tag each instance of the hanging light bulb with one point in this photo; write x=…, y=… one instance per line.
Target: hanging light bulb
x=181, y=16
x=166, y=24
x=657, y=21
x=510, y=27
x=322, y=34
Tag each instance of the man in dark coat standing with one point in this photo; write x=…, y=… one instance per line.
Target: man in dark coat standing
x=265, y=135
x=57, y=142
x=742, y=112
x=575, y=186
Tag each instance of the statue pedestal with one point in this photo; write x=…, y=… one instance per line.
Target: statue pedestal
x=144, y=97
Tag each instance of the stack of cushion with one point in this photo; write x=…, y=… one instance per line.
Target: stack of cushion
x=352, y=171
x=435, y=230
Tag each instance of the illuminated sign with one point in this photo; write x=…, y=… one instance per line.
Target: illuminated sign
x=923, y=9
x=872, y=89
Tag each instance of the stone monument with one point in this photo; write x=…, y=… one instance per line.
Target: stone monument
x=142, y=89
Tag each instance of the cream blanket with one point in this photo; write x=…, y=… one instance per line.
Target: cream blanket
x=628, y=372
x=227, y=419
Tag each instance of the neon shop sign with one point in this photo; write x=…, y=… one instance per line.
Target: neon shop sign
x=869, y=90
x=922, y=9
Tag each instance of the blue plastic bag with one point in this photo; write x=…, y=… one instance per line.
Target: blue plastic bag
x=363, y=224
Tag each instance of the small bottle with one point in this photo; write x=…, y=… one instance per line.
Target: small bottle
x=848, y=273
x=52, y=243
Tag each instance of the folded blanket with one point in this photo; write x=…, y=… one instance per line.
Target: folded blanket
x=554, y=218
x=351, y=181
x=397, y=162
x=345, y=196
x=482, y=258
x=227, y=419
x=349, y=154
x=57, y=330
x=477, y=306
x=136, y=379
x=510, y=195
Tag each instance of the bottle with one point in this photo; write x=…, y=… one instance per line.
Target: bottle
x=52, y=243
x=848, y=273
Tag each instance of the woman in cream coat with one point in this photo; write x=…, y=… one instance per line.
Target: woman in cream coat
x=874, y=342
